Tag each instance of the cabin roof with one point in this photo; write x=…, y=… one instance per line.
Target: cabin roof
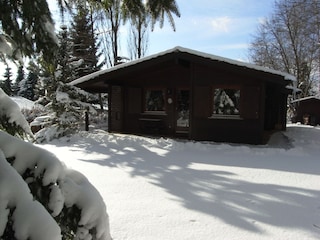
x=178, y=49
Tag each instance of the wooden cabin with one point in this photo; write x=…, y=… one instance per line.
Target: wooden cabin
x=308, y=110
x=189, y=94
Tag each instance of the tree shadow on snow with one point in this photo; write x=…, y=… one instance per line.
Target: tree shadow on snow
x=188, y=171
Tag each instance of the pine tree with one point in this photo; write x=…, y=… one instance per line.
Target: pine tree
x=29, y=28
x=64, y=103
x=6, y=84
x=65, y=70
x=20, y=77
x=84, y=42
x=28, y=86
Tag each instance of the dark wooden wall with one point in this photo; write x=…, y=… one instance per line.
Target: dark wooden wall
x=309, y=108
x=200, y=79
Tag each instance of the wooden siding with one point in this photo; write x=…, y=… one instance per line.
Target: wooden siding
x=116, y=109
x=308, y=112
x=262, y=102
x=200, y=79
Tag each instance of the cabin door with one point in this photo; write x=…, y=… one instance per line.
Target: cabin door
x=182, y=110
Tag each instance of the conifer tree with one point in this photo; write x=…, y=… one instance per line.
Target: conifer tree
x=84, y=43
x=65, y=69
x=20, y=77
x=6, y=84
x=28, y=27
x=65, y=104
x=28, y=86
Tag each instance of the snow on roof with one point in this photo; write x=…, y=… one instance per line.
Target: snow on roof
x=286, y=76
x=306, y=98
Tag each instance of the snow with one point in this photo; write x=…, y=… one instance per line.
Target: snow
x=158, y=188
x=176, y=189
x=74, y=188
x=185, y=50
x=28, y=214
x=11, y=110
x=8, y=47
x=68, y=186
x=24, y=103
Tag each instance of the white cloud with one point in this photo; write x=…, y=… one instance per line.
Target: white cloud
x=221, y=24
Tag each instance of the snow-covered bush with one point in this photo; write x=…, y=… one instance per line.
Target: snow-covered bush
x=33, y=113
x=40, y=198
x=10, y=118
x=65, y=111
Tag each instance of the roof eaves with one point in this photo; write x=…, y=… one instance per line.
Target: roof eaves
x=286, y=76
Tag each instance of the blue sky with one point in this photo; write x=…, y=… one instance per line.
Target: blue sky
x=220, y=27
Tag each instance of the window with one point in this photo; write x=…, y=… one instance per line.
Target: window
x=155, y=100
x=226, y=102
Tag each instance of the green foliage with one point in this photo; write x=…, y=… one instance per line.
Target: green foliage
x=66, y=109
x=67, y=219
x=28, y=87
x=84, y=43
x=63, y=62
x=158, y=9
x=30, y=26
x=11, y=128
x=20, y=77
x=6, y=85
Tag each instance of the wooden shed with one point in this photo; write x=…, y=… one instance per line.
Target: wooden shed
x=193, y=95
x=308, y=110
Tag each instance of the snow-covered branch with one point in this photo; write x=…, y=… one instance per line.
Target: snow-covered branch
x=67, y=189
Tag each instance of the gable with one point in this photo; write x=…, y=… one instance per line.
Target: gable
x=183, y=57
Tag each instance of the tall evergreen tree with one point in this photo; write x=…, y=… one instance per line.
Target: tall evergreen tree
x=84, y=43
x=64, y=104
x=20, y=77
x=6, y=84
x=65, y=69
x=28, y=86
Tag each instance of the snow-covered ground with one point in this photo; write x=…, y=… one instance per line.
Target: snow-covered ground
x=167, y=189
x=23, y=103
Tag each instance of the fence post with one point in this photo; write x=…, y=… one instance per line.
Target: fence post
x=86, y=120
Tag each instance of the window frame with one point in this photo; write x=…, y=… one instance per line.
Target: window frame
x=150, y=89
x=225, y=116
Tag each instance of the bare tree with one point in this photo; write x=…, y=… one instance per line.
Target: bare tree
x=289, y=41
x=108, y=22
x=138, y=36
